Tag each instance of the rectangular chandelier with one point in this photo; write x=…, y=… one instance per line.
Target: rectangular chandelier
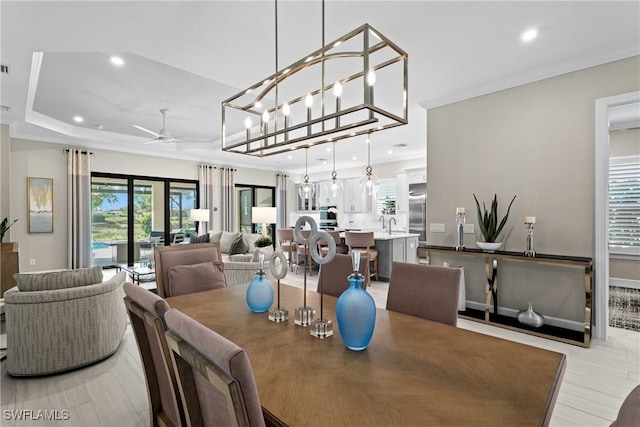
x=352, y=86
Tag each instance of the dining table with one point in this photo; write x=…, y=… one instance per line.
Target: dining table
x=414, y=372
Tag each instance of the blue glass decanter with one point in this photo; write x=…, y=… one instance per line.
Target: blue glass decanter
x=356, y=311
x=260, y=293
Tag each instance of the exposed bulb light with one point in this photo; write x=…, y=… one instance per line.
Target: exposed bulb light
x=369, y=182
x=337, y=90
x=307, y=189
x=286, y=110
x=117, y=61
x=371, y=77
x=78, y=119
x=529, y=35
x=308, y=100
x=247, y=123
x=265, y=116
x=258, y=104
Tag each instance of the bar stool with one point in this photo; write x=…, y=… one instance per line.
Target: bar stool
x=304, y=253
x=363, y=242
x=285, y=239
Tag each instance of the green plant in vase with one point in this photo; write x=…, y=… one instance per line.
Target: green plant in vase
x=263, y=241
x=488, y=222
x=4, y=227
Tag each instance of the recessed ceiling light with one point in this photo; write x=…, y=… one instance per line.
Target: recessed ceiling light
x=529, y=35
x=289, y=157
x=329, y=149
x=117, y=61
x=78, y=119
x=354, y=158
x=390, y=152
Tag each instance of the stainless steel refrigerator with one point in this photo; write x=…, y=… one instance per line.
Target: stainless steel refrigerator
x=418, y=211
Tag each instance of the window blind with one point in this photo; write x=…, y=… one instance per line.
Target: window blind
x=386, y=197
x=624, y=205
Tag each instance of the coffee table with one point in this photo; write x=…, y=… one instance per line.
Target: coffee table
x=136, y=270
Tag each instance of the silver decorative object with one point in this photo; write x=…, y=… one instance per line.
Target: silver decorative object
x=460, y=221
x=530, y=318
x=530, y=222
x=278, y=314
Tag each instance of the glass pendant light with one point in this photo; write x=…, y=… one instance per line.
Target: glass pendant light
x=369, y=183
x=335, y=185
x=307, y=190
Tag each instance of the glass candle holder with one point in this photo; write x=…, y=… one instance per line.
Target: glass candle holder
x=460, y=221
x=530, y=222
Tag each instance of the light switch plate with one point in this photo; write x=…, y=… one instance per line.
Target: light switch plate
x=467, y=229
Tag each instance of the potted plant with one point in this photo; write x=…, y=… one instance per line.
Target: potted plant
x=263, y=241
x=488, y=223
x=5, y=247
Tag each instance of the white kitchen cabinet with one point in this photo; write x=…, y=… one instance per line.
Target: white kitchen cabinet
x=353, y=199
x=411, y=249
x=416, y=176
x=326, y=198
x=402, y=193
x=395, y=248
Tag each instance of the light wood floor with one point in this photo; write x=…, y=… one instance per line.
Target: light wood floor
x=112, y=392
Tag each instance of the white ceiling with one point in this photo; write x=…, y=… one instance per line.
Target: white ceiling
x=188, y=56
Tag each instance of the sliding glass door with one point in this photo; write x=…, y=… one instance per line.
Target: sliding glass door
x=248, y=196
x=131, y=215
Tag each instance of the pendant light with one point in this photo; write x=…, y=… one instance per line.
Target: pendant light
x=335, y=185
x=308, y=189
x=369, y=183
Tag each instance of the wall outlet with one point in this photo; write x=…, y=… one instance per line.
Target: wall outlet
x=436, y=228
x=32, y=261
x=467, y=229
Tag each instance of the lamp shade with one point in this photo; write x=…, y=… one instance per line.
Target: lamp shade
x=263, y=215
x=200, y=214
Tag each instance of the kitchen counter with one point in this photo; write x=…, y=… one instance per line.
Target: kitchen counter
x=383, y=235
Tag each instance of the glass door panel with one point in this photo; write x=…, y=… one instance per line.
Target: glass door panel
x=246, y=202
x=148, y=217
x=182, y=198
x=109, y=226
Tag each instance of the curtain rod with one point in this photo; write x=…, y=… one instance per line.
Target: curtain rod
x=66, y=150
x=207, y=166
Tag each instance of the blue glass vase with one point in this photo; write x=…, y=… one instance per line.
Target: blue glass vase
x=260, y=293
x=356, y=314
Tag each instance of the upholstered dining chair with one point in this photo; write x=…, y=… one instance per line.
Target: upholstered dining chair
x=191, y=268
x=146, y=311
x=426, y=291
x=629, y=413
x=335, y=235
x=364, y=243
x=286, y=242
x=215, y=378
x=332, y=279
x=304, y=253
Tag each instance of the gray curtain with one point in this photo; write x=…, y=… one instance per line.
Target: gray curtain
x=228, y=198
x=205, y=176
x=79, y=208
x=281, y=200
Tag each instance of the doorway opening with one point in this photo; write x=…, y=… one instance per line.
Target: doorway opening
x=248, y=196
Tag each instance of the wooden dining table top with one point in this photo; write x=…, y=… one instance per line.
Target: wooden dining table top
x=414, y=371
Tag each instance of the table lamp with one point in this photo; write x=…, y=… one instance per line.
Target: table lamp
x=263, y=215
x=199, y=215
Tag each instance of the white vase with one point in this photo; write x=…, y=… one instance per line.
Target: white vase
x=489, y=246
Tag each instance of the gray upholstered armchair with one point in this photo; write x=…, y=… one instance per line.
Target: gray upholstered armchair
x=63, y=320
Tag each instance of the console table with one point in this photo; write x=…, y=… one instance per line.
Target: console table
x=491, y=269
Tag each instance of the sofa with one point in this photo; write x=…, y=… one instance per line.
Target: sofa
x=62, y=320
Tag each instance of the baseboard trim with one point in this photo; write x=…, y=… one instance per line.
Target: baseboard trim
x=549, y=320
x=624, y=283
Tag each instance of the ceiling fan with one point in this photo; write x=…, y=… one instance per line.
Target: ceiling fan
x=163, y=135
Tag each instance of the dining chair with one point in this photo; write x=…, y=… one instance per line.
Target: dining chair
x=629, y=412
x=286, y=242
x=324, y=246
x=303, y=253
x=146, y=312
x=215, y=378
x=184, y=269
x=332, y=279
x=426, y=291
x=364, y=243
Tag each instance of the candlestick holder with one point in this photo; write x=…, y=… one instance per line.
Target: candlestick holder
x=530, y=251
x=322, y=328
x=460, y=221
x=304, y=315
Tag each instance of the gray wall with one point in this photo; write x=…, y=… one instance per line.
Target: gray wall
x=42, y=159
x=535, y=141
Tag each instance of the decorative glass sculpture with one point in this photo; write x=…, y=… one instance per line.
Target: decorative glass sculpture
x=260, y=292
x=356, y=312
x=530, y=318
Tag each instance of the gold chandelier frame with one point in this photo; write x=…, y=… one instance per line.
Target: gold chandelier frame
x=250, y=128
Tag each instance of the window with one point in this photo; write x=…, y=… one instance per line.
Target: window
x=386, y=197
x=624, y=205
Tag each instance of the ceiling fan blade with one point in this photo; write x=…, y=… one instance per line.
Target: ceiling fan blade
x=146, y=130
x=152, y=141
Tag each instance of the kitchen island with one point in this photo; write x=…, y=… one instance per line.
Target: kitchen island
x=397, y=246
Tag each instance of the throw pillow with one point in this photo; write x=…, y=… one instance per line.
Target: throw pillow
x=251, y=240
x=203, y=238
x=239, y=246
x=215, y=236
x=186, y=279
x=226, y=240
x=28, y=282
x=267, y=251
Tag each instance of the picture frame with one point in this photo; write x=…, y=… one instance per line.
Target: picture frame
x=40, y=205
